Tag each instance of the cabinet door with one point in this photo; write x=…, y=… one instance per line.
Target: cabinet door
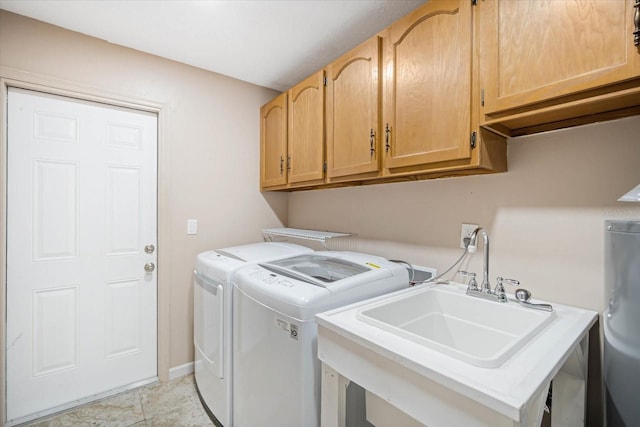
x=353, y=94
x=273, y=142
x=306, y=129
x=537, y=50
x=427, y=85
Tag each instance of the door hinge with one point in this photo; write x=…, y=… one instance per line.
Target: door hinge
x=482, y=97
x=636, y=24
x=324, y=166
x=474, y=135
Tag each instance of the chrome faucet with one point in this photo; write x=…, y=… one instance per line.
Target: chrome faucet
x=485, y=291
x=486, y=286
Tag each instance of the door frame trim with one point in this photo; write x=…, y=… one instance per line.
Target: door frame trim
x=25, y=80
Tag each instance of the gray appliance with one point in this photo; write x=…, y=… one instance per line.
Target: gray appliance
x=622, y=323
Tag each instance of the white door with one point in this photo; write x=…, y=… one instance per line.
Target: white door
x=81, y=210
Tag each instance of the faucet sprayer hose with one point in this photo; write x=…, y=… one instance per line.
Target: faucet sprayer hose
x=464, y=254
x=410, y=267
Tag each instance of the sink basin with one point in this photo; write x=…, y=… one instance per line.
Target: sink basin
x=476, y=331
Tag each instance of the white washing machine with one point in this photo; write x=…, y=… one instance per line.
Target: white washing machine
x=276, y=369
x=213, y=290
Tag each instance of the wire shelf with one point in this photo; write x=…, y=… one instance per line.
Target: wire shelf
x=328, y=239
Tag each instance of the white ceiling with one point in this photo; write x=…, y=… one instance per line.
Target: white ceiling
x=272, y=43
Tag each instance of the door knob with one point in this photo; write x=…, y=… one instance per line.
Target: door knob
x=149, y=267
x=149, y=249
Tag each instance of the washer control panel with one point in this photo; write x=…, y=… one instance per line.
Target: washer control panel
x=271, y=278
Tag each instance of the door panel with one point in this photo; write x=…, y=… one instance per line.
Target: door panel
x=123, y=323
x=55, y=330
x=123, y=210
x=81, y=206
x=55, y=210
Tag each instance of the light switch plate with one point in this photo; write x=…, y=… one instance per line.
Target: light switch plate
x=192, y=226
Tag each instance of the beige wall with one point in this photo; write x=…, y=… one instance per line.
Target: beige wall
x=544, y=217
x=210, y=143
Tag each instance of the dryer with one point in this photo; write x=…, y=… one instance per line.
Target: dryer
x=213, y=274
x=276, y=369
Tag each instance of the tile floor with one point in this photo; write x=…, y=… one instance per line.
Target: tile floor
x=172, y=404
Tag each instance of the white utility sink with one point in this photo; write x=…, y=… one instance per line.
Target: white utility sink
x=446, y=358
x=476, y=331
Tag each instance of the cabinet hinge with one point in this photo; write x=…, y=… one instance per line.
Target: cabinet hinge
x=324, y=166
x=324, y=80
x=474, y=2
x=482, y=97
x=474, y=135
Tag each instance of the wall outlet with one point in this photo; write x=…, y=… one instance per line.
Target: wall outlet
x=465, y=232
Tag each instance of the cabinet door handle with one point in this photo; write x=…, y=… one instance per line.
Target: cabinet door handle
x=387, y=137
x=372, y=141
x=636, y=23
x=281, y=165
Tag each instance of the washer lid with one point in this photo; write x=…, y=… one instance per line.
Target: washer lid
x=317, y=269
x=262, y=251
x=220, y=265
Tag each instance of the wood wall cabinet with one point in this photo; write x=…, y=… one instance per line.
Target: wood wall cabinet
x=427, y=87
x=437, y=92
x=430, y=97
x=353, y=113
x=546, y=64
x=306, y=131
x=292, y=137
x=273, y=143
x=418, y=76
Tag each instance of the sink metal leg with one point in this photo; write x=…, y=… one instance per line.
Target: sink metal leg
x=570, y=389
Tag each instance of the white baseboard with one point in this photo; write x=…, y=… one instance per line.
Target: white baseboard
x=180, y=371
